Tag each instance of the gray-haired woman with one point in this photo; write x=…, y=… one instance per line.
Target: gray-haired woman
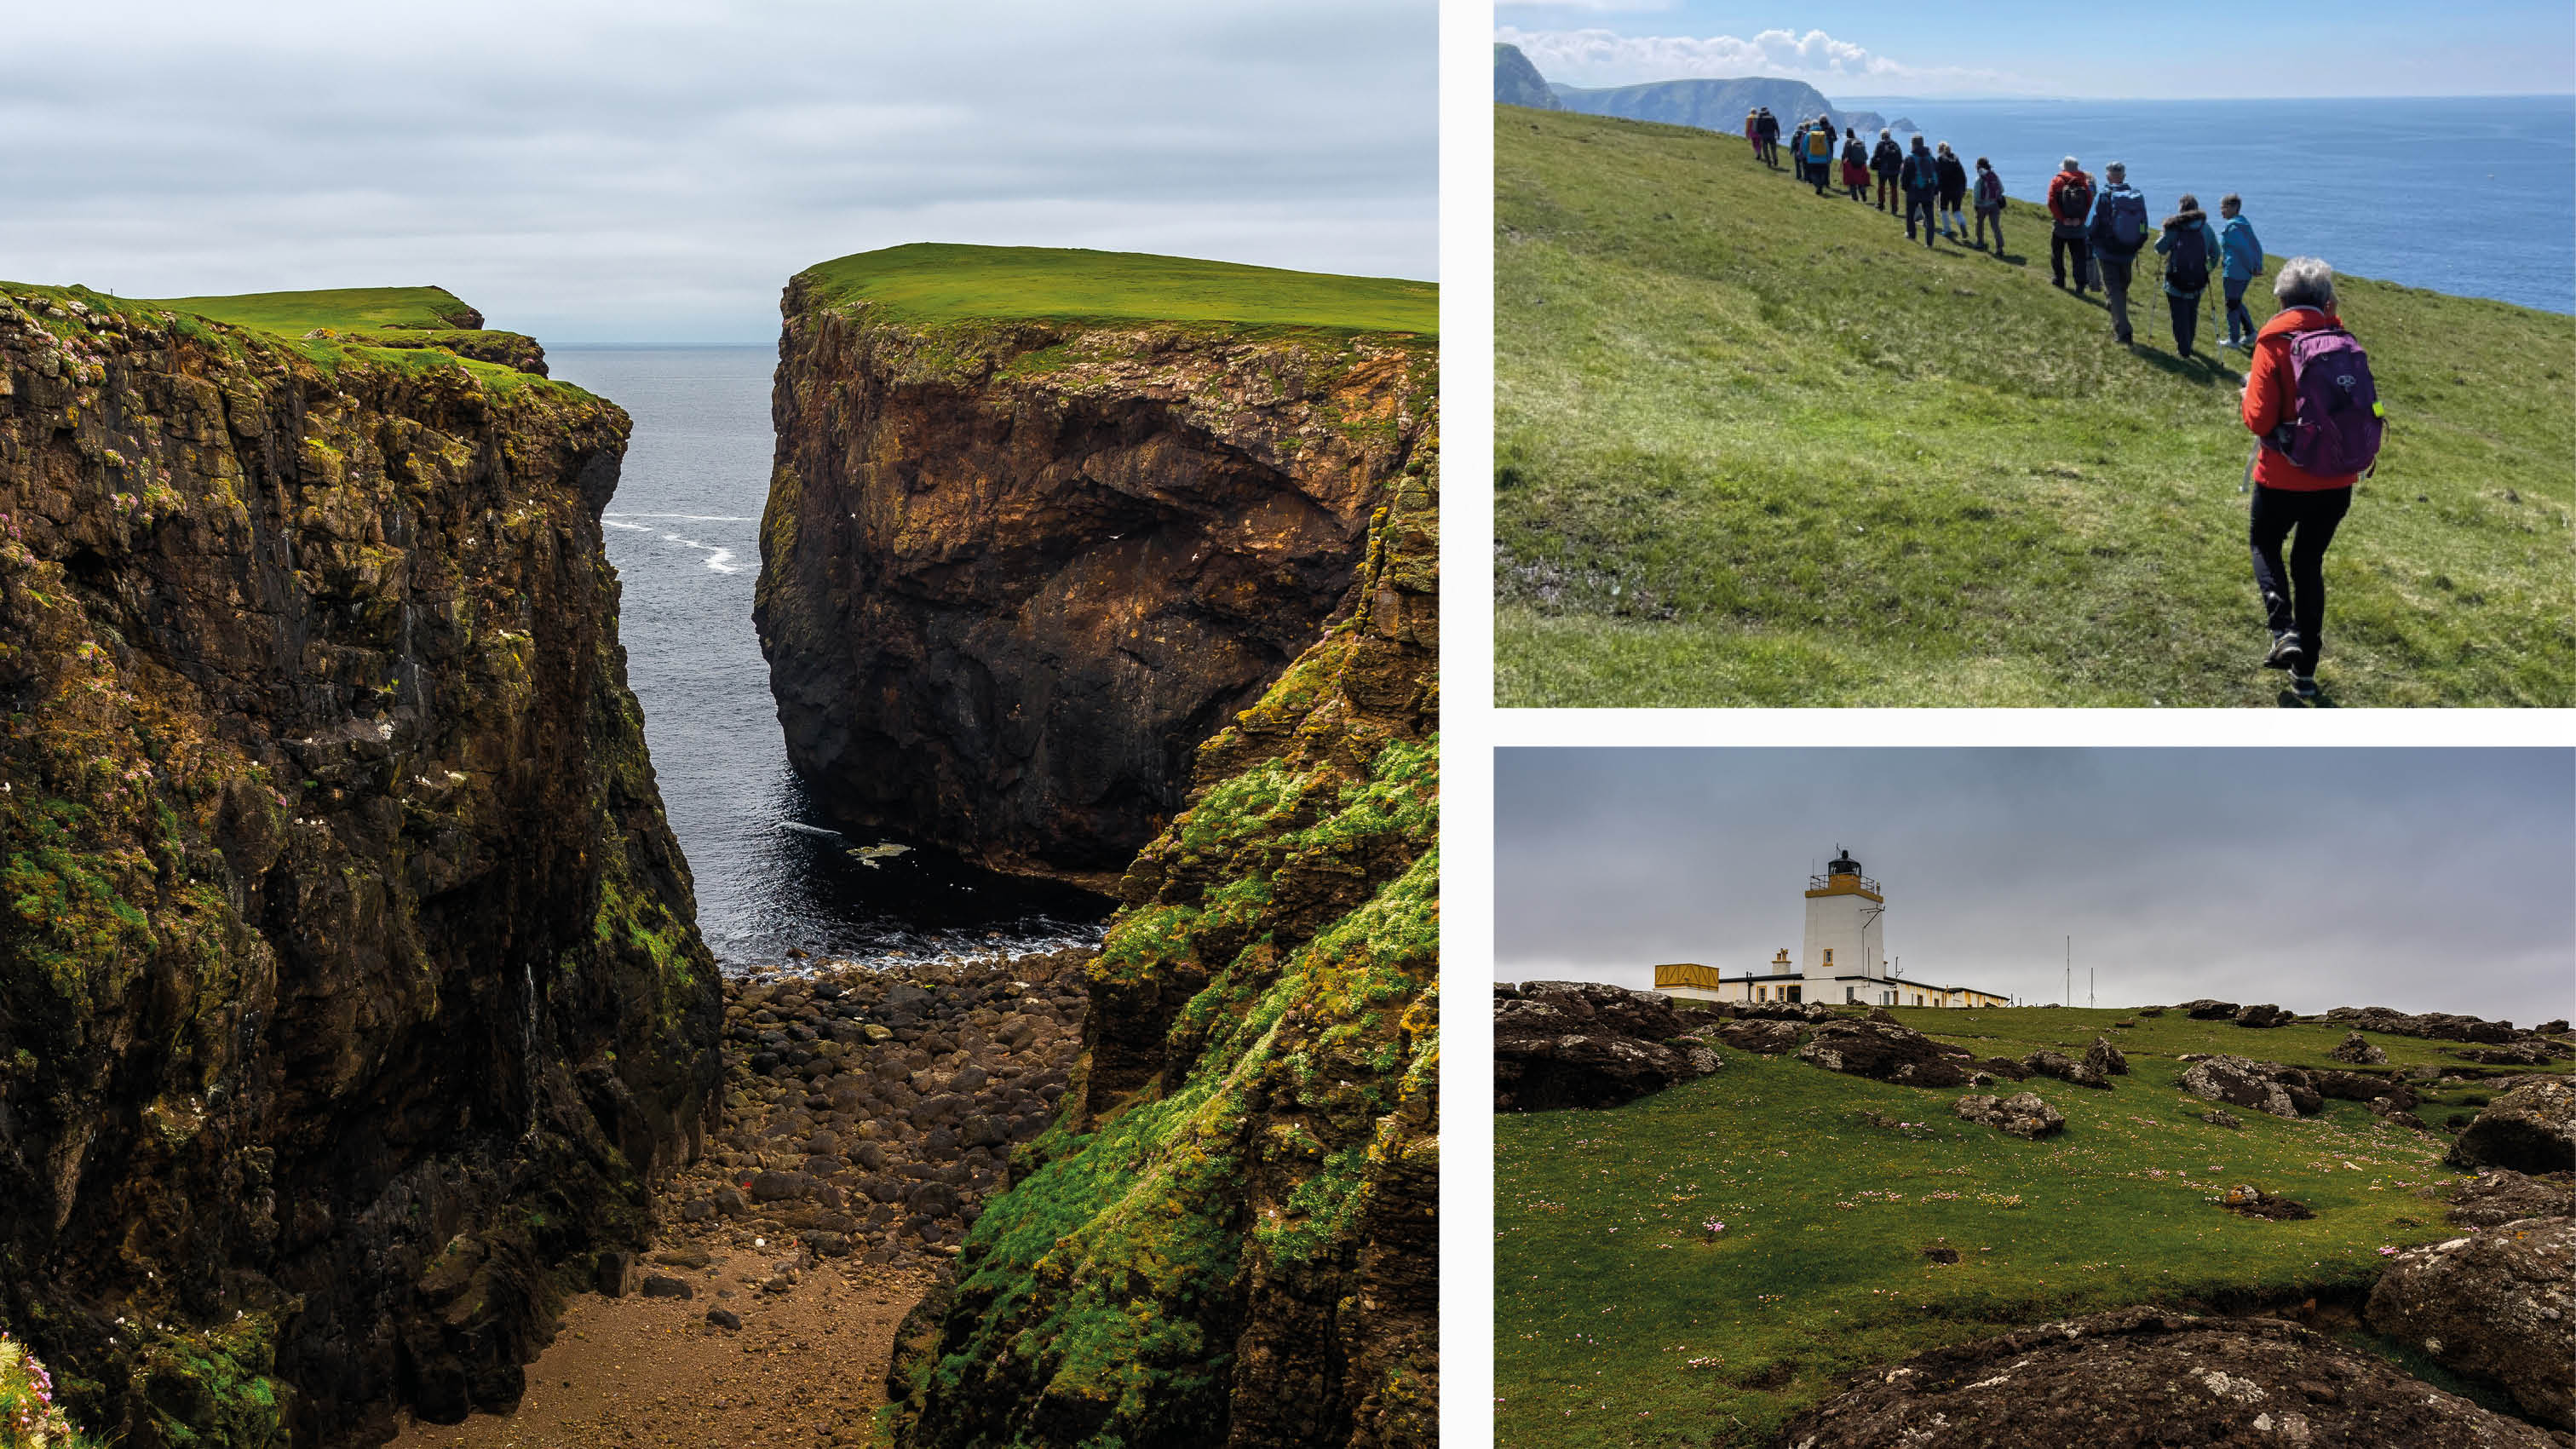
x=2290, y=497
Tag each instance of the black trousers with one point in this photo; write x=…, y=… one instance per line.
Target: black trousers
x=2059, y=249
x=1919, y=203
x=2186, y=319
x=2296, y=599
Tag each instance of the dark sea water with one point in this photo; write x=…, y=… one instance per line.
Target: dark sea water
x=2473, y=196
x=684, y=534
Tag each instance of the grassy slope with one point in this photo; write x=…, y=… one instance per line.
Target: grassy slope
x=345, y=308
x=1605, y=1287
x=1753, y=448
x=939, y=281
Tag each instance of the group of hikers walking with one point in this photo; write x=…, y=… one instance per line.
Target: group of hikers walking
x=2309, y=398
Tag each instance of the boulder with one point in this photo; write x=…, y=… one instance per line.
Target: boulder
x=2362, y=1087
x=1765, y=1038
x=2105, y=1058
x=2501, y=1195
x=663, y=1285
x=2065, y=1069
x=2433, y=1025
x=2005, y=1067
x=2530, y=1051
x=2206, y=1009
x=2500, y=1304
x=2139, y=1376
x=2554, y=1027
x=2221, y=1117
x=1886, y=1052
x=2356, y=1049
x=2254, y=1202
x=1586, y=1044
x=2265, y=1015
x=2262, y=1086
x=2022, y=1114
x=2529, y=1129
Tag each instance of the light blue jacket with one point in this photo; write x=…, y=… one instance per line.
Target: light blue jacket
x=2244, y=250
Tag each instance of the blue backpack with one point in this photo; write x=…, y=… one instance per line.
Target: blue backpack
x=2124, y=215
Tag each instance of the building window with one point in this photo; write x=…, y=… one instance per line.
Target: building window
x=1829, y=955
x=1758, y=992
x=1851, y=994
x=1795, y=993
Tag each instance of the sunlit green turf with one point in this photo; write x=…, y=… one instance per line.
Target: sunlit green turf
x=936, y=280
x=1607, y=1288
x=340, y=308
x=1753, y=448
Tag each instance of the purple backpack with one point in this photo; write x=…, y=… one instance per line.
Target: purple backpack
x=2335, y=422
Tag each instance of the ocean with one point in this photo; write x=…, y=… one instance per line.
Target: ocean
x=2473, y=196
x=684, y=534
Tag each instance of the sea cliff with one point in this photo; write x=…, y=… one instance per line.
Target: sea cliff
x=350, y=999
x=1042, y=521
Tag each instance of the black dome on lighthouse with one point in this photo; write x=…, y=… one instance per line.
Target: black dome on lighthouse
x=1842, y=863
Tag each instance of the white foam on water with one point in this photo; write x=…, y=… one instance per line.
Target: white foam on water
x=688, y=517
x=629, y=527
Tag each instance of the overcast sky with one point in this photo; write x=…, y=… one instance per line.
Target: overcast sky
x=2419, y=879
x=641, y=171
x=2185, y=48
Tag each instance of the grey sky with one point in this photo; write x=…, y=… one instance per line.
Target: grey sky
x=2419, y=879
x=645, y=171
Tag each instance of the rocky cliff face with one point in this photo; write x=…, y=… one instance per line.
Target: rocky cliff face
x=1230, y=1235
x=1013, y=572
x=349, y=991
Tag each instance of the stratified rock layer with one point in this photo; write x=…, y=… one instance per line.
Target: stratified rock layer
x=349, y=992
x=1230, y=1237
x=1014, y=572
x=2144, y=1376
x=1587, y=1044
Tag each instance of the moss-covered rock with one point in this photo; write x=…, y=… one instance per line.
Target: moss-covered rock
x=1229, y=1237
x=349, y=984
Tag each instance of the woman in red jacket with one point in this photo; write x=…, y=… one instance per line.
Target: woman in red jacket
x=2288, y=499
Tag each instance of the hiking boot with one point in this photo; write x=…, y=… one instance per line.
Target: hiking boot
x=2303, y=685
x=2286, y=653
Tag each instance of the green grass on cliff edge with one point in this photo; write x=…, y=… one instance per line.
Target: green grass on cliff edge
x=941, y=281
x=1619, y=1321
x=348, y=309
x=1753, y=448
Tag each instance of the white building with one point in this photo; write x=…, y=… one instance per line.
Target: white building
x=1842, y=959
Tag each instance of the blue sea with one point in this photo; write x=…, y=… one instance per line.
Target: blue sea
x=2471, y=196
x=684, y=534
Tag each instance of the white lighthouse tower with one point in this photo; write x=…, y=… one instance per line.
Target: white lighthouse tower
x=1843, y=910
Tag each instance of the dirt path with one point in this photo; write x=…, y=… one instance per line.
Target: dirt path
x=807, y=1366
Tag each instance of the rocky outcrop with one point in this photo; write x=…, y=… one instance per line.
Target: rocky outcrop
x=350, y=999
x=2500, y=1304
x=1229, y=1238
x=1763, y=1038
x=1585, y=1044
x=1887, y=1052
x=2433, y=1025
x=2154, y=1377
x=2500, y=1195
x=2530, y=1129
x=2530, y=1051
x=1013, y=572
x=2023, y=1114
x=2066, y=1069
x=2356, y=1049
x=2265, y=1015
x=2209, y=1009
x=2106, y=1059
x=2262, y=1086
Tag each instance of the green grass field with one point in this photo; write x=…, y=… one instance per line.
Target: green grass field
x=347, y=309
x=1753, y=448
x=1619, y=1322
x=938, y=281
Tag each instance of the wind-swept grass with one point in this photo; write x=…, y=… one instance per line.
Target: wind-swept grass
x=1619, y=1320
x=1753, y=448
x=937, y=281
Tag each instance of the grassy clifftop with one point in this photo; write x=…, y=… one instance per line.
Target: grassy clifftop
x=1754, y=448
x=361, y=309
x=934, y=281
x=1619, y=1320
x=410, y=327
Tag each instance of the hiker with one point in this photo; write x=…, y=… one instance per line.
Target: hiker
x=1768, y=127
x=2118, y=234
x=2315, y=413
x=2190, y=249
x=1798, y=152
x=1753, y=130
x=1820, y=153
x=1887, y=158
x=1855, y=166
x=1953, y=179
x=1922, y=188
x=1990, y=205
x=2243, y=252
x=2070, y=202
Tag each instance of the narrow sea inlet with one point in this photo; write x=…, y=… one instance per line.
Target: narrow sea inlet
x=772, y=876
